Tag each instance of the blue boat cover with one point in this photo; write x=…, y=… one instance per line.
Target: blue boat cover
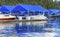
x=53, y=11
x=32, y=8
x=58, y=13
x=4, y=10
x=18, y=8
x=27, y=7
x=9, y=7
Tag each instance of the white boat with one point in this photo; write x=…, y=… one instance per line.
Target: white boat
x=38, y=17
x=34, y=17
x=6, y=17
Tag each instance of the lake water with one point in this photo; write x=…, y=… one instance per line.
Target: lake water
x=49, y=28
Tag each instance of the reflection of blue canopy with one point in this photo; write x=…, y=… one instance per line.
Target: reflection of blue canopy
x=4, y=9
x=53, y=11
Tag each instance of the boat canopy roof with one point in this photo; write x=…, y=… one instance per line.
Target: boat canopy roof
x=19, y=8
x=32, y=8
x=58, y=13
x=27, y=8
x=4, y=10
x=9, y=7
x=51, y=11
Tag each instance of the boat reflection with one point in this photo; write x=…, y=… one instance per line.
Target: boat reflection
x=38, y=28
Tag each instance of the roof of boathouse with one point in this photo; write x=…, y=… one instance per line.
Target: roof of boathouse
x=58, y=13
x=4, y=10
x=19, y=8
x=33, y=7
x=51, y=11
x=9, y=7
x=27, y=7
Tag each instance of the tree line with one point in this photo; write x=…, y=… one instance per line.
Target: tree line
x=48, y=4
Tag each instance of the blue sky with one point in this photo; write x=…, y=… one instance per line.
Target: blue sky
x=57, y=0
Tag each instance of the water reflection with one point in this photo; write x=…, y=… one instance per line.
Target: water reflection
x=30, y=26
x=30, y=29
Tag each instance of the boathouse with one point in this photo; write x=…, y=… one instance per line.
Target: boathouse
x=9, y=7
x=4, y=10
x=27, y=10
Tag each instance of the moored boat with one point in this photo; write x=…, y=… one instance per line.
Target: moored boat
x=35, y=17
x=6, y=17
x=39, y=17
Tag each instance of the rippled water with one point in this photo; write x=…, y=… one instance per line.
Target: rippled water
x=49, y=28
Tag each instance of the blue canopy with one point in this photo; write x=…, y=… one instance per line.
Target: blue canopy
x=25, y=8
x=4, y=10
x=19, y=8
x=52, y=11
x=9, y=7
x=58, y=13
x=32, y=8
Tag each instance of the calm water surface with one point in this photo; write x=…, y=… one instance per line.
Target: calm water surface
x=30, y=29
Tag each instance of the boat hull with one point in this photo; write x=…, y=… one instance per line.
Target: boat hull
x=7, y=18
x=35, y=18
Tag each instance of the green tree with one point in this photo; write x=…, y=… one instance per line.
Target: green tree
x=45, y=3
